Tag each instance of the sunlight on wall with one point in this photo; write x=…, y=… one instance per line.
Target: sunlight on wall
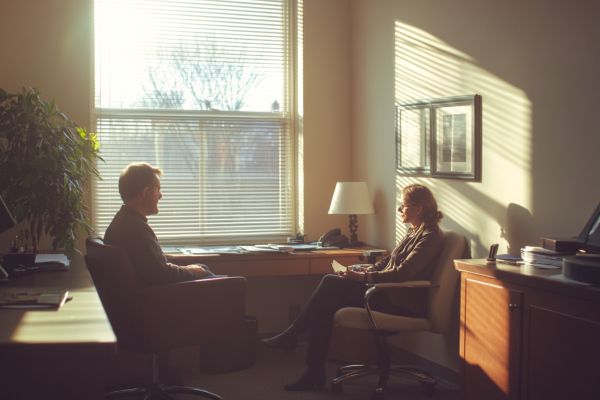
x=427, y=67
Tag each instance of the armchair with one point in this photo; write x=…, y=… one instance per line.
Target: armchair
x=441, y=291
x=156, y=319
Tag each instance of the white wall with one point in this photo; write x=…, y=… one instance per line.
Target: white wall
x=327, y=101
x=536, y=65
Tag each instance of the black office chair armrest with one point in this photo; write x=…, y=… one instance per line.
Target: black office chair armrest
x=208, y=308
x=391, y=286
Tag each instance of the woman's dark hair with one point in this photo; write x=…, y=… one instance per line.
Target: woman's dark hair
x=421, y=196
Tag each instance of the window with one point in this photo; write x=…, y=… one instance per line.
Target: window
x=201, y=89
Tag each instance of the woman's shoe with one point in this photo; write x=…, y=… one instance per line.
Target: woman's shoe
x=309, y=381
x=285, y=341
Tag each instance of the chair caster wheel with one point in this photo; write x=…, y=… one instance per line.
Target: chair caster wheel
x=428, y=388
x=336, y=388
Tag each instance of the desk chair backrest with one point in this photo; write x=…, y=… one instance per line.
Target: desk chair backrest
x=441, y=302
x=117, y=285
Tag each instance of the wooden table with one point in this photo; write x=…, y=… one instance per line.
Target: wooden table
x=59, y=353
x=303, y=263
x=278, y=283
x=527, y=333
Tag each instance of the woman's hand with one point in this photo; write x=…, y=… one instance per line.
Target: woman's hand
x=359, y=276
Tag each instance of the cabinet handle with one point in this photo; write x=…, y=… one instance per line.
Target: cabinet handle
x=513, y=306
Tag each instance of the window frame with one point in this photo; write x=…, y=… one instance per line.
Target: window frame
x=287, y=118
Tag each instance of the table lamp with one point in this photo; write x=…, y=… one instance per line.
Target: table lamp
x=351, y=198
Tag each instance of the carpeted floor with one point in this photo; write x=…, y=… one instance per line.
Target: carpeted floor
x=274, y=368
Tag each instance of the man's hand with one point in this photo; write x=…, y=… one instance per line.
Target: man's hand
x=199, y=270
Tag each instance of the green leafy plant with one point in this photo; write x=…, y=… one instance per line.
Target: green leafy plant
x=46, y=162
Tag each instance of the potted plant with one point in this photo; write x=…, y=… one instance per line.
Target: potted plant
x=46, y=162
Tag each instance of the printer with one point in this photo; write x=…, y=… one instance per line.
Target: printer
x=585, y=265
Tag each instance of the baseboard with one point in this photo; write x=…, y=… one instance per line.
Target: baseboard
x=449, y=376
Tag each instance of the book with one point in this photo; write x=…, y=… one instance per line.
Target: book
x=33, y=297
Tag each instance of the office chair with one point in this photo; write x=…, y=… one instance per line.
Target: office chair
x=156, y=319
x=441, y=294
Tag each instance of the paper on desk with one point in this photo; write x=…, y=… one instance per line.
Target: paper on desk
x=337, y=267
x=51, y=258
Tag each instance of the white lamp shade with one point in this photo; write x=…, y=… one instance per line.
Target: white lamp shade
x=351, y=198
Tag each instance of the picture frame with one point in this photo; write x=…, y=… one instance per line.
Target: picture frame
x=440, y=137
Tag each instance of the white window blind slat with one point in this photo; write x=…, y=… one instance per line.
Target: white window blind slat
x=201, y=89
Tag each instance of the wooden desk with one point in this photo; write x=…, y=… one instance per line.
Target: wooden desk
x=527, y=333
x=56, y=353
x=270, y=265
x=278, y=284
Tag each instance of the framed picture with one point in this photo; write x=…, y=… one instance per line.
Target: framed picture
x=440, y=138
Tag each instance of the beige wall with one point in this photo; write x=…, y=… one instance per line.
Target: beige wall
x=47, y=45
x=327, y=101
x=536, y=66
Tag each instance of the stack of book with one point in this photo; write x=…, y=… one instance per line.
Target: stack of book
x=542, y=258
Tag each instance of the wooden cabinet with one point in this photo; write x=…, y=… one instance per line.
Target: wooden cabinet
x=527, y=334
x=563, y=348
x=490, y=346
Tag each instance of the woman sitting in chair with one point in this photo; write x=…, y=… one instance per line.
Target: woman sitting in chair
x=413, y=259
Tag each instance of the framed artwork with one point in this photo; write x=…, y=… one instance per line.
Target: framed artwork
x=440, y=137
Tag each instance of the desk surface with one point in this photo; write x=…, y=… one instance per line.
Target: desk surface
x=317, y=262
x=81, y=320
x=548, y=279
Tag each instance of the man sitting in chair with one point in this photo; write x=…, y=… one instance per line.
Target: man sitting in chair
x=139, y=187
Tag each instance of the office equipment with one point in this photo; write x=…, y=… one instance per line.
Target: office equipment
x=589, y=238
x=583, y=268
x=527, y=334
x=333, y=238
x=543, y=258
x=441, y=290
x=492, y=254
x=351, y=198
x=567, y=245
x=156, y=319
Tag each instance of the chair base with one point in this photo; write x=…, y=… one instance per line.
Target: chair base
x=349, y=372
x=161, y=392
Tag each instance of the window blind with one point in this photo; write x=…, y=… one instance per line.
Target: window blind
x=200, y=89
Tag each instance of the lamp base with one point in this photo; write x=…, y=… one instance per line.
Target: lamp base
x=353, y=227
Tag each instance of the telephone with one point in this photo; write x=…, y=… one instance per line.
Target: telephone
x=333, y=237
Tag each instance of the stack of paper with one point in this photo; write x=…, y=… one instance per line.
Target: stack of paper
x=33, y=297
x=541, y=257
